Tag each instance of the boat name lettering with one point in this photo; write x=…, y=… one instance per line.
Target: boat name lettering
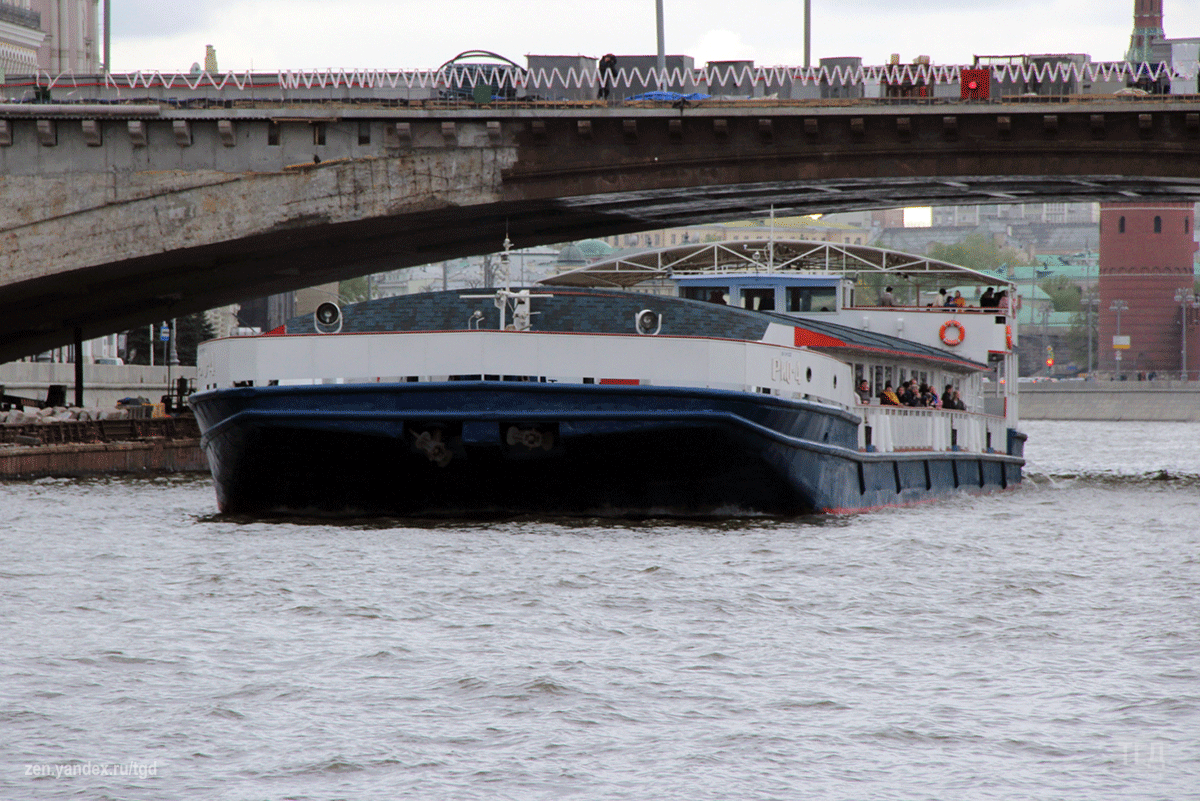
x=787, y=371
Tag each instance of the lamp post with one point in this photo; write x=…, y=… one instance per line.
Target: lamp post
x=1118, y=306
x=807, y=33
x=1186, y=300
x=662, y=49
x=1090, y=303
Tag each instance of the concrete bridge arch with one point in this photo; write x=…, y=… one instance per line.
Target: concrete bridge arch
x=118, y=215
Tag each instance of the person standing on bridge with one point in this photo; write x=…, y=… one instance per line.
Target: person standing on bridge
x=608, y=75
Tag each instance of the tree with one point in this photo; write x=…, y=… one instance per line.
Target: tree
x=978, y=252
x=354, y=290
x=1077, y=337
x=190, y=331
x=1064, y=294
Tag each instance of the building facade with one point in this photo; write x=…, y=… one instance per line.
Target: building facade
x=72, y=42
x=20, y=36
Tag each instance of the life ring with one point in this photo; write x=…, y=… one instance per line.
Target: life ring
x=1008, y=336
x=962, y=332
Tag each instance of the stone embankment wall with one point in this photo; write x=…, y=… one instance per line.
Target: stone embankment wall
x=103, y=384
x=55, y=443
x=1167, y=401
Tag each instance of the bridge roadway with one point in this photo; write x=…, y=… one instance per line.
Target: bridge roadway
x=115, y=215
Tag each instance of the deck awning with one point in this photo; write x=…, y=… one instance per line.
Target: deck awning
x=770, y=256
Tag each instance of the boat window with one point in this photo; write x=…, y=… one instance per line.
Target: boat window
x=712, y=294
x=811, y=298
x=759, y=299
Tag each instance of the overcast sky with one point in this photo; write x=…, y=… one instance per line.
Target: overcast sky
x=392, y=34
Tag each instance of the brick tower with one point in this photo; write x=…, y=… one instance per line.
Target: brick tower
x=1146, y=257
x=1147, y=29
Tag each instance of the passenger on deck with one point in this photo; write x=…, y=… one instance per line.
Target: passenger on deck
x=887, y=298
x=959, y=300
x=912, y=396
x=929, y=398
x=948, y=397
x=888, y=396
x=958, y=402
x=988, y=299
x=1002, y=303
x=949, y=301
x=863, y=391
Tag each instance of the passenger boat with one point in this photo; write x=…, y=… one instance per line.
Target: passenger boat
x=699, y=381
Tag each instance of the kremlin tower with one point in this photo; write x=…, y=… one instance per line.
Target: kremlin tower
x=1147, y=253
x=1147, y=29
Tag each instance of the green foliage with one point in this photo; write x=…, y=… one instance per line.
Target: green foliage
x=977, y=252
x=190, y=332
x=353, y=290
x=1076, y=338
x=1064, y=294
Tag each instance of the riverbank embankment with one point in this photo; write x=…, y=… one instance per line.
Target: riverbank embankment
x=1155, y=401
x=101, y=447
x=103, y=384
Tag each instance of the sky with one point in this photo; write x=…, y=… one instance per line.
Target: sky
x=271, y=35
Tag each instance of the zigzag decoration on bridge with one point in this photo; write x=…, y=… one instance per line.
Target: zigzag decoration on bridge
x=590, y=78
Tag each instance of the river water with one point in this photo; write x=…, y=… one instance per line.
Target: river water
x=1038, y=644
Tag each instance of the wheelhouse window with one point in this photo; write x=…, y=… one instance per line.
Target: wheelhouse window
x=811, y=298
x=759, y=299
x=711, y=294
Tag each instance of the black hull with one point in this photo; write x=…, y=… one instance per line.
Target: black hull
x=602, y=451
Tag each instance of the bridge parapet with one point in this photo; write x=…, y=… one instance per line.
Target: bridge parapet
x=556, y=84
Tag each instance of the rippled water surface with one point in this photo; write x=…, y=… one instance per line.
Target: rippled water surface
x=1041, y=643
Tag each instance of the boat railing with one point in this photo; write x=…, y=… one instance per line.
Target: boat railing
x=996, y=312
x=890, y=428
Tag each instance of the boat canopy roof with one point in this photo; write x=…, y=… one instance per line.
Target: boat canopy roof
x=768, y=256
x=827, y=335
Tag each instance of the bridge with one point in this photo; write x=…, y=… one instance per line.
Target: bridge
x=126, y=204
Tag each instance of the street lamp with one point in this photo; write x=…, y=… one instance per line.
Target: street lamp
x=1090, y=303
x=1186, y=300
x=662, y=49
x=1118, y=306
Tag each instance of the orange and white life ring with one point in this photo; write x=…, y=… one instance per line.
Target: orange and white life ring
x=1008, y=337
x=952, y=340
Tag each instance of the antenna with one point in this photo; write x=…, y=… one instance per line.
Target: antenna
x=771, y=243
x=504, y=259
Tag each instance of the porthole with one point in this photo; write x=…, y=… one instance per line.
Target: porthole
x=808, y=374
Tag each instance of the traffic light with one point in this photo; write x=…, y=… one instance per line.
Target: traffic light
x=975, y=84
x=1049, y=357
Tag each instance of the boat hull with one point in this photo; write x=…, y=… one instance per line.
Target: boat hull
x=487, y=448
